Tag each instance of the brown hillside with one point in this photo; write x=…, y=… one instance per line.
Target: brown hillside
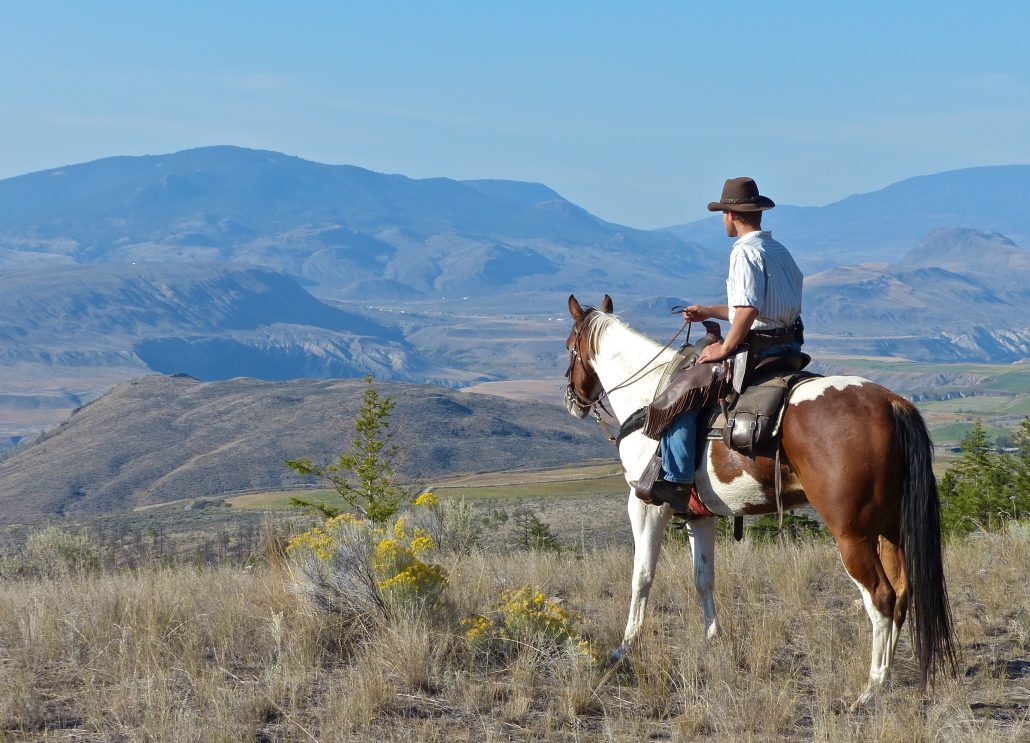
x=158, y=439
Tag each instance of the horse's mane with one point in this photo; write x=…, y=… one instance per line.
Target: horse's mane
x=597, y=322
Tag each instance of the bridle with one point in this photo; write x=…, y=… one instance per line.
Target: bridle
x=571, y=393
x=597, y=405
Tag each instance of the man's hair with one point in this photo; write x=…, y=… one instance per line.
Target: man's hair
x=751, y=219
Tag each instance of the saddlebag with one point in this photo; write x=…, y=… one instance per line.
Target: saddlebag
x=752, y=425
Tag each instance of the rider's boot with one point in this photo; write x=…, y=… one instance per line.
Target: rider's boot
x=677, y=495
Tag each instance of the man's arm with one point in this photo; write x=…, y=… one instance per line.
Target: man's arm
x=699, y=312
x=743, y=319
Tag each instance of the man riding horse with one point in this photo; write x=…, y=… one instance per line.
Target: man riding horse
x=763, y=307
x=857, y=453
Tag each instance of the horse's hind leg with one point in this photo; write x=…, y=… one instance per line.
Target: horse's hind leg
x=893, y=561
x=648, y=529
x=702, y=545
x=880, y=600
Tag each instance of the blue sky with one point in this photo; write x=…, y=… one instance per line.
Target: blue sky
x=635, y=111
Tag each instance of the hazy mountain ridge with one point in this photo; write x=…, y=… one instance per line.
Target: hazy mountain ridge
x=125, y=314
x=511, y=248
x=157, y=439
x=882, y=224
x=345, y=229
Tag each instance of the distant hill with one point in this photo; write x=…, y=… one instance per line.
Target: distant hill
x=350, y=232
x=989, y=255
x=959, y=294
x=158, y=439
x=883, y=224
x=213, y=321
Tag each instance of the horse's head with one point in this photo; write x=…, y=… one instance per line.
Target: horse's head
x=584, y=388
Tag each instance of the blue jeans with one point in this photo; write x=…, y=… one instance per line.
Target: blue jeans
x=679, y=440
x=678, y=447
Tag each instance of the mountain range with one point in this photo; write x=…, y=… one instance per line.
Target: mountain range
x=958, y=294
x=346, y=231
x=883, y=224
x=222, y=262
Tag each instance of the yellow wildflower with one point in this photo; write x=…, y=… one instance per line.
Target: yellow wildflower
x=343, y=518
x=477, y=627
x=421, y=542
x=427, y=499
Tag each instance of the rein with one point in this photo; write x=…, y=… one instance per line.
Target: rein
x=631, y=379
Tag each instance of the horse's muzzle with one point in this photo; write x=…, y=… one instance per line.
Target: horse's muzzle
x=574, y=407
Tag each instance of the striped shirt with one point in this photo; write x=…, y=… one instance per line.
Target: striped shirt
x=764, y=275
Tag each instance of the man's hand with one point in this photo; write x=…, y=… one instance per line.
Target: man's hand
x=696, y=313
x=713, y=352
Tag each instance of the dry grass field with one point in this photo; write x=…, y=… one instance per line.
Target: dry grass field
x=230, y=653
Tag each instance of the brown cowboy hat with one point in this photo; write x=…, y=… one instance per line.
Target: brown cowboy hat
x=741, y=195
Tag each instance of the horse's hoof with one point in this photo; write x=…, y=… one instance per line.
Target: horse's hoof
x=839, y=707
x=616, y=659
x=862, y=702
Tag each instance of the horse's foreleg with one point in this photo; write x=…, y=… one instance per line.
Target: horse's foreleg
x=648, y=529
x=702, y=545
x=879, y=598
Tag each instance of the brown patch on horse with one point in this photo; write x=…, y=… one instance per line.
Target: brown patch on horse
x=728, y=465
x=791, y=500
x=763, y=470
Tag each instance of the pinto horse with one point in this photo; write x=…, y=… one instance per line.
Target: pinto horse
x=855, y=451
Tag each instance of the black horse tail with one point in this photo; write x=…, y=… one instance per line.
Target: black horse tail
x=932, y=632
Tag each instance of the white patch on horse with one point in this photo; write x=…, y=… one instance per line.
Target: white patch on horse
x=726, y=498
x=635, y=451
x=885, y=639
x=811, y=390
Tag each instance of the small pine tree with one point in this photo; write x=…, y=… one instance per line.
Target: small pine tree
x=982, y=490
x=796, y=527
x=1020, y=468
x=533, y=534
x=364, y=476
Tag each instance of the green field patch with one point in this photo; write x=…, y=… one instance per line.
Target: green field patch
x=1014, y=381
x=511, y=477
x=979, y=405
x=564, y=482
x=280, y=499
x=608, y=485
x=955, y=432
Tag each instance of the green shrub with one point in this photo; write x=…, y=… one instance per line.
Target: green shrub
x=56, y=551
x=363, y=475
x=352, y=566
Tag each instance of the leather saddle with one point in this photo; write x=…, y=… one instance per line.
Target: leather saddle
x=747, y=422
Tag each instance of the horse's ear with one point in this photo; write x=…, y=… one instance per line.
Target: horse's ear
x=606, y=304
x=575, y=309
